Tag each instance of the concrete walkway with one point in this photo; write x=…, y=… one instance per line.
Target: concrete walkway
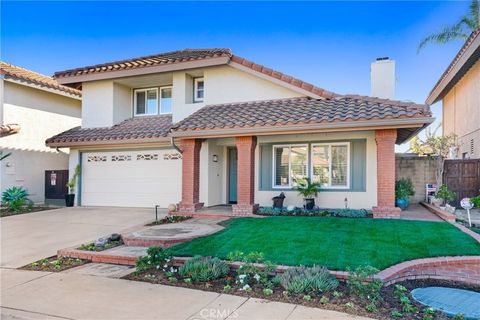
x=70, y=295
x=29, y=237
x=417, y=212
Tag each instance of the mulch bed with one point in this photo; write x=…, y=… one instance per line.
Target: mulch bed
x=342, y=304
x=6, y=213
x=54, y=264
x=168, y=219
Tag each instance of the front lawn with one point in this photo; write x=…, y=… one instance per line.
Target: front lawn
x=336, y=243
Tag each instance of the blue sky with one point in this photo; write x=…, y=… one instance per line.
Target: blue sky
x=330, y=44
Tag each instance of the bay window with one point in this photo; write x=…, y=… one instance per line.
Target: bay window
x=331, y=165
x=290, y=162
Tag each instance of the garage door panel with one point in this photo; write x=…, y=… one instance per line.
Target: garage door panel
x=141, y=178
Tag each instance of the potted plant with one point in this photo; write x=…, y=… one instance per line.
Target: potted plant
x=70, y=197
x=309, y=191
x=445, y=194
x=403, y=191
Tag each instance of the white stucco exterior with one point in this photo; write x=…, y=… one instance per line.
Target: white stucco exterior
x=40, y=114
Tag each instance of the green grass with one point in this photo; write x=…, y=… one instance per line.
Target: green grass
x=336, y=243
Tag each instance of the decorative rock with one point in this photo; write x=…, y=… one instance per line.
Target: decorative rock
x=172, y=208
x=101, y=242
x=115, y=237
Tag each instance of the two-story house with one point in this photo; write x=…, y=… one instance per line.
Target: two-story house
x=459, y=90
x=35, y=107
x=204, y=127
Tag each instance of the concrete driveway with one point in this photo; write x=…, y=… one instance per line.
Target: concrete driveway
x=29, y=237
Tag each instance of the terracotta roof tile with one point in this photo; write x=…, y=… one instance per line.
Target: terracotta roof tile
x=137, y=128
x=10, y=71
x=299, y=111
x=148, y=61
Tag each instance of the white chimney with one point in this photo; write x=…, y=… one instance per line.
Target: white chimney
x=382, y=77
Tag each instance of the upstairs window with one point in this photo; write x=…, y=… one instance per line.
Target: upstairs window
x=198, y=89
x=146, y=101
x=166, y=100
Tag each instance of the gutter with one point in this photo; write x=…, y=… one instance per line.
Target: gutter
x=172, y=141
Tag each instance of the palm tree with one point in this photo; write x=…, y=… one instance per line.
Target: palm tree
x=459, y=31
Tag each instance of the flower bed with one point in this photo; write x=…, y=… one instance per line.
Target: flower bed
x=168, y=219
x=309, y=286
x=316, y=212
x=92, y=247
x=54, y=264
x=5, y=212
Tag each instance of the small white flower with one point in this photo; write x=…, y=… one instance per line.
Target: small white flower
x=167, y=260
x=245, y=287
x=165, y=265
x=257, y=277
x=242, y=276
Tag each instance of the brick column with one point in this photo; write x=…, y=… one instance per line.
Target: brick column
x=245, y=175
x=190, y=176
x=386, y=175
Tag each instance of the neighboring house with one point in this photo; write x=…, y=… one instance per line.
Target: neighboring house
x=34, y=107
x=246, y=133
x=459, y=90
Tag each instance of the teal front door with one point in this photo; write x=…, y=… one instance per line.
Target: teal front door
x=232, y=175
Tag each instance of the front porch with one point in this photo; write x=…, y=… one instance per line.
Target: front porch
x=232, y=176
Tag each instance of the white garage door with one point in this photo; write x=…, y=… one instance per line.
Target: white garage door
x=142, y=178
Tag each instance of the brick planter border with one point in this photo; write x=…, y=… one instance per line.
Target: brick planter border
x=97, y=256
x=447, y=216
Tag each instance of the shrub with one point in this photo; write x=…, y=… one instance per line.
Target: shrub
x=360, y=283
x=156, y=258
x=445, y=194
x=15, y=198
x=404, y=189
x=308, y=279
x=307, y=188
x=475, y=201
x=349, y=213
x=202, y=269
x=250, y=272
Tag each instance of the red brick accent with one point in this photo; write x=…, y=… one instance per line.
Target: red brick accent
x=245, y=175
x=463, y=269
x=447, y=216
x=386, y=175
x=98, y=257
x=190, y=175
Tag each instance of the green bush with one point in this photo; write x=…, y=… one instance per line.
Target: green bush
x=250, y=272
x=349, y=213
x=16, y=199
x=360, y=282
x=341, y=213
x=404, y=189
x=156, y=258
x=202, y=269
x=475, y=201
x=445, y=194
x=308, y=279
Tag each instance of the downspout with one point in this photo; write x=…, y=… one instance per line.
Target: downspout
x=172, y=142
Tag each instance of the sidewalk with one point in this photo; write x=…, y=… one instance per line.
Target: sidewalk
x=41, y=295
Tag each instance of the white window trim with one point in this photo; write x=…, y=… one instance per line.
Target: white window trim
x=290, y=184
x=330, y=187
x=146, y=102
x=195, y=89
x=160, y=100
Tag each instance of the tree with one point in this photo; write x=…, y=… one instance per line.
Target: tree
x=459, y=31
x=437, y=147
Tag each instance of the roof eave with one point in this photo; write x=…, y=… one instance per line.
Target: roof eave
x=34, y=85
x=201, y=63
x=419, y=123
x=96, y=143
x=460, y=68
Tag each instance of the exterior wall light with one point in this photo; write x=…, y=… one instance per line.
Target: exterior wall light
x=215, y=158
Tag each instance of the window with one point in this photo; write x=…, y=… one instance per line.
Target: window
x=146, y=101
x=331, y=165
x=290, y=162
x=166, y=100
x=198, y=89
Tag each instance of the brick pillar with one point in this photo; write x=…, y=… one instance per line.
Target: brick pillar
x=245, y=175
x=190, y=176
x=386, y=174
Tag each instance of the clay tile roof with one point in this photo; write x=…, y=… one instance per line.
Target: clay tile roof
x=463, y=61
x=299, y=111
x=134, y=129
x=148, y=61
x=10, y=71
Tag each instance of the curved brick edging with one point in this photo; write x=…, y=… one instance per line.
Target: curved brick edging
x=463, y=269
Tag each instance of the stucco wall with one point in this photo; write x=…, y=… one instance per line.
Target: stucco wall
x=41, y=115
x=421, y=170
x=461, y=112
